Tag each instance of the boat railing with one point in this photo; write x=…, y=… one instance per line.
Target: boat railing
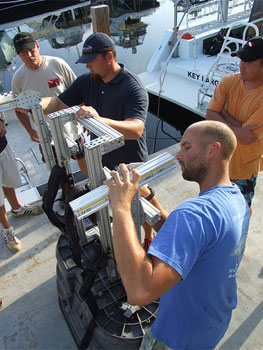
x=171, y=42
x=225, y=63
x=214, y=12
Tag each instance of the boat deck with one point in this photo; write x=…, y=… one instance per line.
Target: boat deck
x=178, y=90
x=31, y=317
x=182, y=80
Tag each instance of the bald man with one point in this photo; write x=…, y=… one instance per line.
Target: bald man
x=192, y=262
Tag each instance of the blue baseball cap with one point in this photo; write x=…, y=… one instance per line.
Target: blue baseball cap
x=95, y=44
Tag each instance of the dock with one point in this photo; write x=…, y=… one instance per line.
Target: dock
x=30, y=315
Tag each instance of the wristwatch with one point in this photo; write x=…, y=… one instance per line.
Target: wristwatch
x=151, y=195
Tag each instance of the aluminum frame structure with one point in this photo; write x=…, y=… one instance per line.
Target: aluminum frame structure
x=117, y=323
x=108, y=139
x=97, y=200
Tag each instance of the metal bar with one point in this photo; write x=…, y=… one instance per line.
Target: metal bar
x=99, y=197
x=44, y=136
x=137, y=214
x=96, y=176
x=108, y=138
x=60, y=144
x=26, y=100
x=7, y=101
x=151, y=213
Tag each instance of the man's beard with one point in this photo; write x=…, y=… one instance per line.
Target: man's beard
x=95, y=77
x=196, y=172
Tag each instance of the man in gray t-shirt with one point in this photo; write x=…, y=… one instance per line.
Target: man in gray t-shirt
x=49, y=76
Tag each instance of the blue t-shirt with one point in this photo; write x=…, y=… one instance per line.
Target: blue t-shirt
x=121, y=98
x=203, y=240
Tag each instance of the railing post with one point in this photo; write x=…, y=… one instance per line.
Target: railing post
x=224, y=10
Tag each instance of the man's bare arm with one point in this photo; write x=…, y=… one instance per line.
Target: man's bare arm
x=25, y=121
x=52, y=104
x=145, y=277
x=2, y=128
x=131, y=128
x=144, y=192
x=244, y=134
x=48, y=104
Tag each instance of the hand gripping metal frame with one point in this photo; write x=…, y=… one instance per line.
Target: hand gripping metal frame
x=99, y=198
x=98, y=201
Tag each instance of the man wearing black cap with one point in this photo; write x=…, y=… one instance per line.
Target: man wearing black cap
x=238, y=102
x=115, y=96
x=110, y=93
x=46, y=74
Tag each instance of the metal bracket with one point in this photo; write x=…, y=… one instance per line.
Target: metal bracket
x=129, y=309
x=108, y=138
x=27, y=100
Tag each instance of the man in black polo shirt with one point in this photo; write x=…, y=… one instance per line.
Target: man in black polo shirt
x=113, y=95
x=110, y=93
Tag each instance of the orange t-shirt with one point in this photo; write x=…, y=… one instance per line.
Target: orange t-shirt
x=246, y=106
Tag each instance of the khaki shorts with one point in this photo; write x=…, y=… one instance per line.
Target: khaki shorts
x=151, y=343
x=9, y=174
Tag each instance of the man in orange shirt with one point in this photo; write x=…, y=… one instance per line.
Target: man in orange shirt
x=238, y=102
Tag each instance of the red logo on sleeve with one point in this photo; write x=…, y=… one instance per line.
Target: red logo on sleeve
x=53, y=82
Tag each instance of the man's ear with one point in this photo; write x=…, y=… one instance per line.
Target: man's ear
x=213, y=149
x=109, y=57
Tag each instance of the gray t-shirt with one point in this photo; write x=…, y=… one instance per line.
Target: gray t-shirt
x=52, y=78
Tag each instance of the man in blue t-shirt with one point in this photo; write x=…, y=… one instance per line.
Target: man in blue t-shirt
x=192, y=262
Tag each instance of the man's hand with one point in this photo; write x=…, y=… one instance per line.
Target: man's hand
x=2, y=128
x=87, y=112
x=245, y=135
x=34, y=136
x=122, y=189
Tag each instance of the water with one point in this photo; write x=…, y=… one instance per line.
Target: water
x=134, y=47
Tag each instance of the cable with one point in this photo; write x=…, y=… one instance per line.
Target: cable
x=164, y=76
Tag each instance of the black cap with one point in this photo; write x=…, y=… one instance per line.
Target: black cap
x=252, y=51
x=22, y=41
x=94, y=45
